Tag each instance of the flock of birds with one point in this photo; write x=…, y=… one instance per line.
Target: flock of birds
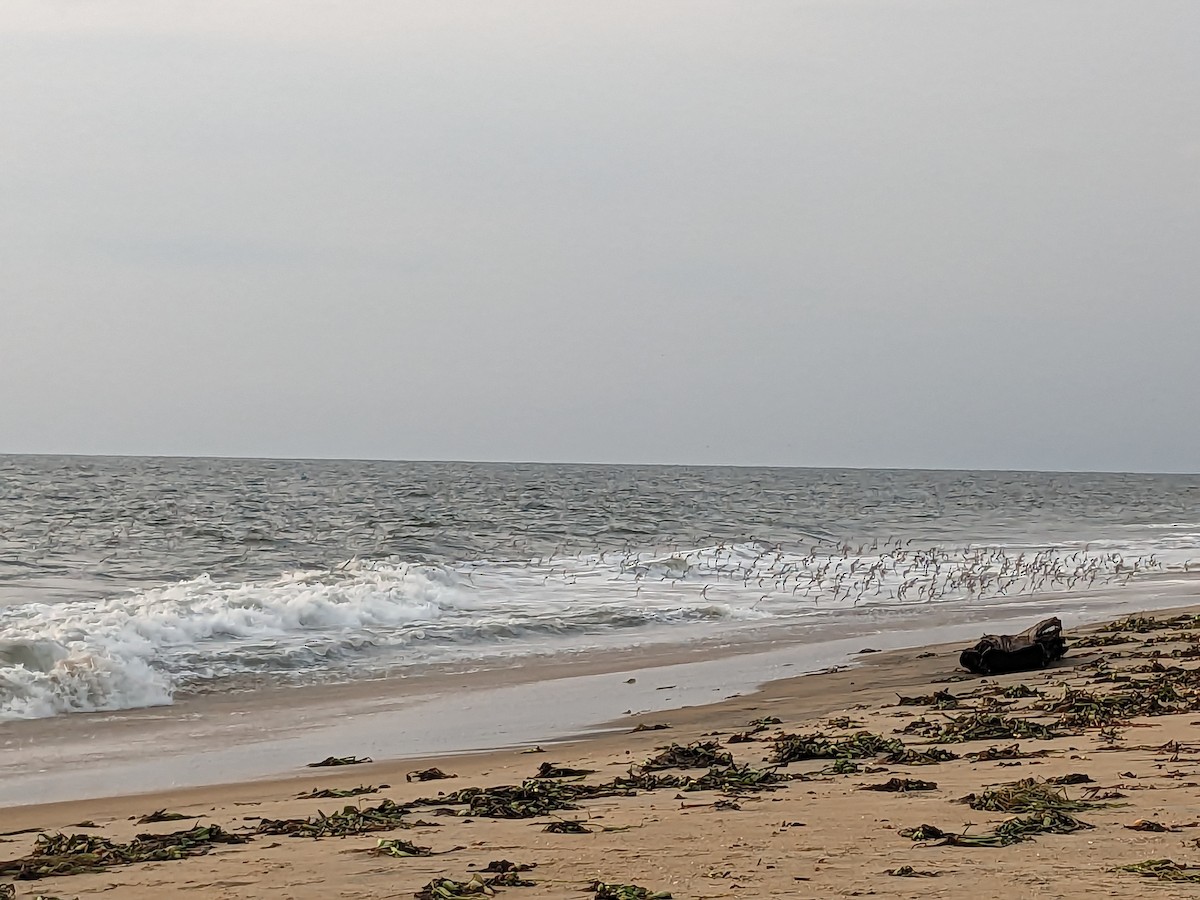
x=839, y=574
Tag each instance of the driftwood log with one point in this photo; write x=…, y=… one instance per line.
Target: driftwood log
x=996, y=654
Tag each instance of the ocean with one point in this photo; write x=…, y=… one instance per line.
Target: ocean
x=128, y=583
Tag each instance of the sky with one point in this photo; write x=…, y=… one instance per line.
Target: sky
x=904, y=233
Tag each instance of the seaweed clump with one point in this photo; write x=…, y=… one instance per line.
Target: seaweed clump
x=76, y=854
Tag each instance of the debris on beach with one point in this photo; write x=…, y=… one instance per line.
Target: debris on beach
x=501, y=866
x=340, y=793
x=77, y=854
x=1027, y=795
x=1034, y=648
x=911, y=756
x=910, y=872
x=697, y=755
x=567, y=826
x=1012, y=751
x=791, y=748
x=351, y=820
x=160, y=815
x=433, y=774
x=398, y=848
x=550, y=770
x=985, y=727
x=1163, y=870
x=901, y=786
x=340, y=761
x=942, y=699
x=642, y=726
x=1011, y=831
x=605, y=891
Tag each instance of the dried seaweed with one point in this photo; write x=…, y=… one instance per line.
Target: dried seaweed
x=340, y=793
x=351, y=820
x=433, y=774
x=160, y=815
x=75, y=854
x=1011, y=831
x=1012, y=751
x=1027, y=795
x=550, y=770
x=340, y=761
x=625, y=892
x=697, y=755
x=791, y=748
x=910, y=756
x=398, y=848
x=1163, y=870
x=901, y=786
x=986, y=727
x=910, y=872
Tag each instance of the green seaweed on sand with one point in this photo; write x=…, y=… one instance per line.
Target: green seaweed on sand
x=398, y=848
x=942, y=699
x=642, y=726
x=791, y=748
x=161, y=815
x=550, y=770
x=911, y=756
x=76, y=854
x=697, y=755
x=842, y=767
x=433, y=774
x=1162, y=869
x=340, y=793
x=986, y=727
x=901, y=786
x=525, y=801
x=340, y=761
x=606, y=891
x=1012, y=751
x=1027, y=795
x=1011, y=831
x=351, y=820
x=475, y=886
x=910, y=872
x=502, y=866
x=567, y=826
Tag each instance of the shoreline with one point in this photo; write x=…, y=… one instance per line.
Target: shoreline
x=821, y=829
x=269, y=735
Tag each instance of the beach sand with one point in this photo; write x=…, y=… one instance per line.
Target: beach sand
x=816, y=836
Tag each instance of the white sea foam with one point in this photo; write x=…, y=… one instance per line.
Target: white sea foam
x=138, y=648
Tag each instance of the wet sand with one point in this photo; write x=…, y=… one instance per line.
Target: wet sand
x=818, y=834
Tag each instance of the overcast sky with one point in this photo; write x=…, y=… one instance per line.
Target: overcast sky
x=934, y=233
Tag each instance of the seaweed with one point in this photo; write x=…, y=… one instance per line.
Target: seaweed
x=340, y=793
x=984, y=727
x=1163, y=870
x=1012, y=751
x=791, y=748
x=1011, y=831
x=398, y=848
x=433, y=774
x=1026, y=795
x=942, y=699
x=550, y=770
x=910, y=872
x=901, y=786
x=604, y=891
x=75, y=854
x=351, y=820
x=697, y=755
x=340, y=761
x=160, y=815
x=910, y=756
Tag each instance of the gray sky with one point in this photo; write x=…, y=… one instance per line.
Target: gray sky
x=924, y=233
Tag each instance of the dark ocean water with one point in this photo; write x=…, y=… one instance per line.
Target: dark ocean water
x=125, y=580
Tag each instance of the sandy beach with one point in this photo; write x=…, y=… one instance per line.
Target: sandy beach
x=808, y=828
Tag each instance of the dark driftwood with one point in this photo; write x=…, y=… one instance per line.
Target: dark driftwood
x=996, y=654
